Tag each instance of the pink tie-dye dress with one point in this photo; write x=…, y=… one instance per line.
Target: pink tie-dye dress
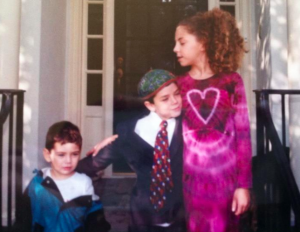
x=217, y=150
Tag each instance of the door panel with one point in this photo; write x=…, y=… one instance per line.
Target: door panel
x=92, y=116
x=144, y=40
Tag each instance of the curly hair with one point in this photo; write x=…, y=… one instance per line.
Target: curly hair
x=218, y=31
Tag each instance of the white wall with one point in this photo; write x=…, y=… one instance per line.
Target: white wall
x=52, y=68
x=262, y=29
x=279, y=44
x=278, y=65
x=272, y=52
x=9, y=43
x=29, y=81
x=42, y=75
x=279, y=54
x=294, y=83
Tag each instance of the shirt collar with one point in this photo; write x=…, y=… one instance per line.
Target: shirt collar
x=157, y=120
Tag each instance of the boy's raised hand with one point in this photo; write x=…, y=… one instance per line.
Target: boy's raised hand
x=101, y=144
x=241, y=201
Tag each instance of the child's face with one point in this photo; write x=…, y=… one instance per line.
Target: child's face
x=187, y=47
x=167, y=102
x=63, y=158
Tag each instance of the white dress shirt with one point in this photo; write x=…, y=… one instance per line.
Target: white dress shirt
x=148, y=127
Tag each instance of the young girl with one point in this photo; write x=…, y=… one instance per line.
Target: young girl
x=217, y=153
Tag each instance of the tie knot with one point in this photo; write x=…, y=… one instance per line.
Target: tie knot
x=163, y=124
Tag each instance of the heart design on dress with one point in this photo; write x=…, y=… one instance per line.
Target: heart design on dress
x=201, y=95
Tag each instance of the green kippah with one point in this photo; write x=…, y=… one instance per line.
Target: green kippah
x=153, y=81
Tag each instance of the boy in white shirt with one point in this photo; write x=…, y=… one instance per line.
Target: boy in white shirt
x=60, y=199
x=152, y=146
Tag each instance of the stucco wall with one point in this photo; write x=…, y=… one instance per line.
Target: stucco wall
x=294, y=83
x=29, y=80
x=9, y=43
x=42, y=74
x=262, y=32
x=272, y=52
x=52, y=67
x=278, y=65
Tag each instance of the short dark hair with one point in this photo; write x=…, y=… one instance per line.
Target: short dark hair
x=63, y=132
x=151, y=99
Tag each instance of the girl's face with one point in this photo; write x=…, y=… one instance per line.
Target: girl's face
x=188, y=48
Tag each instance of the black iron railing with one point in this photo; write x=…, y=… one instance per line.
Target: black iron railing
x=274, y=184
x=11, y=142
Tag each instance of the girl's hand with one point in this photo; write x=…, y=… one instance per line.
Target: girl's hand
x=101, y=144
x=241, y=201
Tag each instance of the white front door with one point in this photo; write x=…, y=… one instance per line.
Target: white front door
x=90, y=73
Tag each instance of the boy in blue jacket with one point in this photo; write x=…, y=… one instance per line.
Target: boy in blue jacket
x=58, y=198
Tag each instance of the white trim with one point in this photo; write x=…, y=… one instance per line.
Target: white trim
x=83, y=79
x=248, y=70
x=228, y=3
x=96, y=2
x=94, y=71
x=108, y=71
x=95, y=36
x=213, y=3
x=10, y=19
x=74, y=61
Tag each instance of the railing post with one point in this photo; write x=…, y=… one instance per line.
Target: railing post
x=11, y=112
x=274, y=182
x=259, y=123
x=19, y=155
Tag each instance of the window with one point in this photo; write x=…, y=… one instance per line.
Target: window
x=229, y=5
x=94, y=50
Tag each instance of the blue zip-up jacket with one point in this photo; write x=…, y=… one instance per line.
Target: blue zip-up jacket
x=45, y=210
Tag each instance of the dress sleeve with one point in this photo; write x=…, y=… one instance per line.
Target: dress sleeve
x=243, y=138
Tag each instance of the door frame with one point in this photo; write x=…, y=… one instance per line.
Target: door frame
x=75, y=54
x=74, y=71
